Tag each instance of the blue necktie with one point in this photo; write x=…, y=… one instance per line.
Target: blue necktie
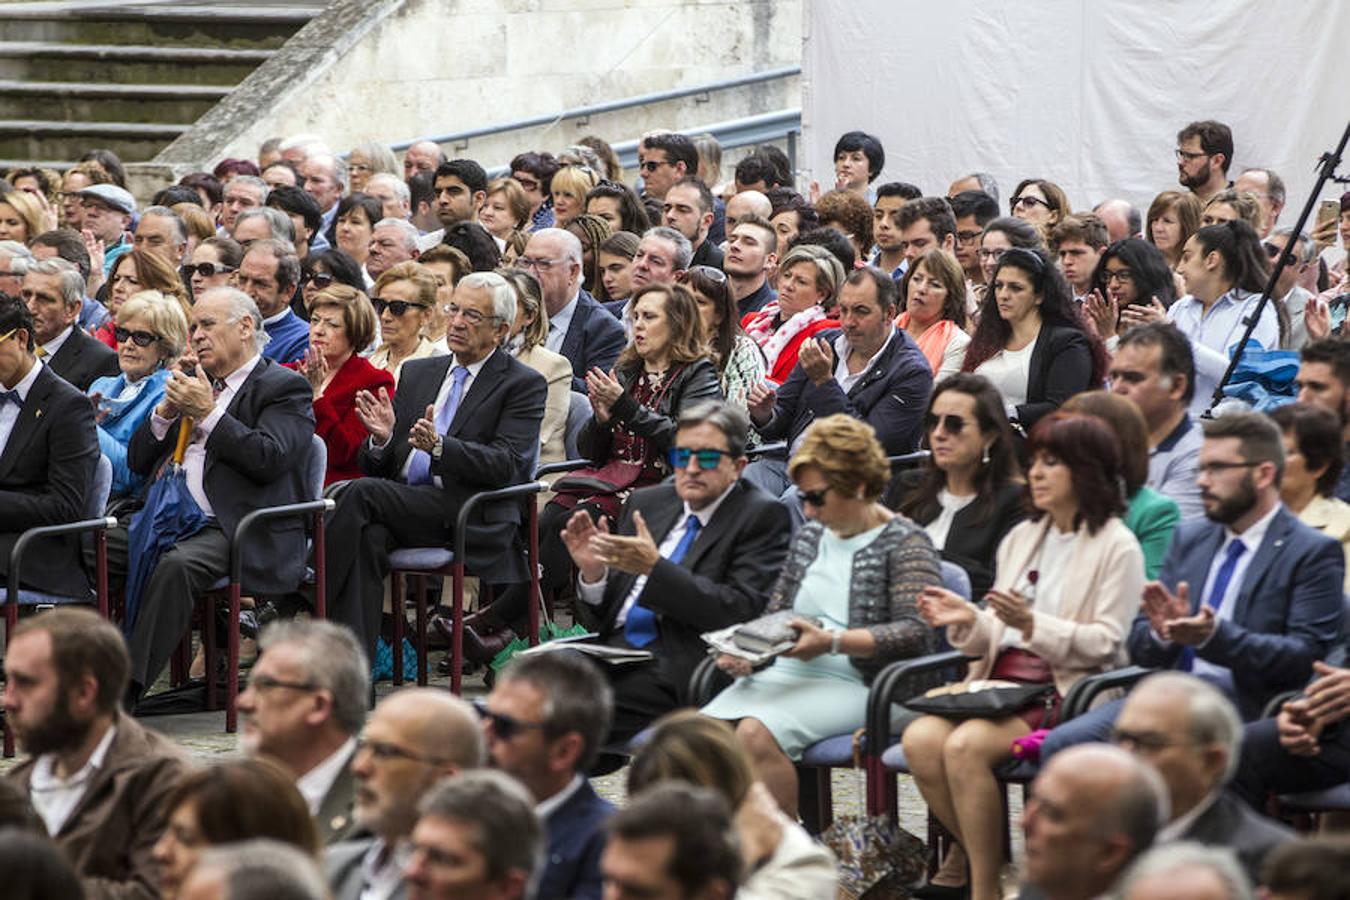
x=639, y=629
x=1215, y=599
x=419, y=468
x=11, y=397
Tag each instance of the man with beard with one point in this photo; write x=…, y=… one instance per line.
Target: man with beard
x=1248, y=597
x=1204, y=153
x=96, y=778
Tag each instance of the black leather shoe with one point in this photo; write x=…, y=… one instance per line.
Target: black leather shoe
x=441, y=628
x=482, y=648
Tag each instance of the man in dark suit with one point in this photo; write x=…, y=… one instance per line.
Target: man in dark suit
x=1247, y=598
x=252, y=422
x=544, y=722
x=54, y=293
x=868, y=369
x=1190, y=732
x=312, y=733
x=684, y=559
x=578, y=326
x=99, y=781
x=48, y=450
x=460, y=424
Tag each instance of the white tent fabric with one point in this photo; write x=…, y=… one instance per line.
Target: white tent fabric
x=1086, y=93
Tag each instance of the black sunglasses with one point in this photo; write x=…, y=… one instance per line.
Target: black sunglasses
x=397, y=307
x=207, y=269
x=708, y=457
x=503, y=726
x=139, y=338
x=951, y=424
x=320, y=280
x=814, y=498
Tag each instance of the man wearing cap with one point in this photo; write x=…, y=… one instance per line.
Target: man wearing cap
x=107, y=215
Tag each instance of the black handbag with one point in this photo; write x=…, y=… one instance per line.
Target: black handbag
x=989, y=700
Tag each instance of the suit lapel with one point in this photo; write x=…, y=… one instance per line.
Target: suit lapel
x=487, y=381
x=1265, y=555
x=713, y=531
x=30, y=416
x=571, y=346
x=879, y=370
x=1197, y=567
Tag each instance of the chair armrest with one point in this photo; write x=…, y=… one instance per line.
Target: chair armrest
x=1272, y=708
x=514, y=492
x=267, y=514
x=897, y=683
x=766, y=450
x=567, y=465
x=16, y=553
x=1080, y=696
x=706, y=682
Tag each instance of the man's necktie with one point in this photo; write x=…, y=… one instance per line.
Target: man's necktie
x=1215, y=599
x=639, y=629
x=11, y=397
x=419, y=469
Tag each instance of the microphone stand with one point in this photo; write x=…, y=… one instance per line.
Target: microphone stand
x=1326, y=166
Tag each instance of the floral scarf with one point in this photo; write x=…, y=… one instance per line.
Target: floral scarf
x=774, y=342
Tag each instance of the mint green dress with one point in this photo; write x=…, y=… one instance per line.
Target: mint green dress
x=804, y=702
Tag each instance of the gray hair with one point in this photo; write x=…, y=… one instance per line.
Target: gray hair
x=265, y=870
x=684, y=251
x=576, y=698
x=987, y=183
x=1212, y=717
x=252, y=181
x=332, y=659
x=571, y=244
x=288, y=264
x=507, y=831
x=280, y=224
x=382, y=159
x=336, y=164
x=179, y=226
x=72, y=285
x=406, y=230
x=1307, y=250
x=398, y=184
x=242, y=306
x=727, y=418
x=1165, y=858
x=503, y=295
x=18, y=255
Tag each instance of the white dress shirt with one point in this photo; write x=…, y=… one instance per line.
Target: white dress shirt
x=315, y=784
x=1213, y=335
x=50, y=348
x=842, y=375
x=558, y=325
x=442, y=396
x=9, y=413
x=594, y=593
x=194, y=457
x=54, y=798
x=382, y=869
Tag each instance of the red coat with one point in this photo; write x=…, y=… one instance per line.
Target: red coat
x=335, y=418
x=787, y=359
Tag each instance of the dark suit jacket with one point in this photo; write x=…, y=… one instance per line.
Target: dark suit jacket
x=1287, y=614
x=970, y=544
x=891, y=397
x=81, y=359
x=109, y=835
x=594, y=338
x=256, y=456
x=615, y=308
x=342, y=869
x=1233, y=824
x=335, y=820
x=723, y=579
x=707, y=254
x=576, y=838
x=492, y=443
x=46, y=472
x=1061, y=366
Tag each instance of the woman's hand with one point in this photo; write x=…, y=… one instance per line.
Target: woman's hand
x=1013, y=610
x=1317, y=319
x=812, y=640
x=1324, y=235
x=1143, y=314
x=735, y=666
x=1102, y=313
x=940, y=607
x=604, y=390
x=315, y=367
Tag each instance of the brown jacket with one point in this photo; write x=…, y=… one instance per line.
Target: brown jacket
x=111, y=831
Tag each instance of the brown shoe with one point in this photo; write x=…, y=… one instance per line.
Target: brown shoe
x=482, y=648
x=441, y=628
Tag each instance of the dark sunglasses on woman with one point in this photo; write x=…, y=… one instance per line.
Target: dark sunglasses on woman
x=396, y=307
x=207, y=269
x=139, y=338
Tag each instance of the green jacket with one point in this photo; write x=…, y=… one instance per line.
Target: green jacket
x=1152, y=517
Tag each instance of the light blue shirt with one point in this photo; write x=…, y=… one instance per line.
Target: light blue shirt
x=558, y=325
x=1172, y=468
x=1214, y=335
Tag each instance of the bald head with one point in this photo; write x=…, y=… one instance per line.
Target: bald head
x=436, y=723
x=747, y=203
x=1121, y=218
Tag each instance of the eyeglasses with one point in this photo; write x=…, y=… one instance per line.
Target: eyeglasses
x=652, y=165
x=503, y=726
x=1214, y=468
x=541, y=265
x=1124, y=276
x=990, y=255
x=708, y=457
x=262, y=683
x=384, y=752
x=814, y=498
x=1187, y=156
x=207, y=269
x=397, y=307
x=139, y=338
x=472, y=316
x=967, y=237
x=952, y=424
x=1271, y=249
x=1028, y=200
x=1147, y=740
x=320, y=280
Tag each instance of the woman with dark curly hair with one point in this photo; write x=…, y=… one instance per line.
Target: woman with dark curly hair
x=1031, y=342
x=1067, y=587
x=1131, y=272
x=853, y=575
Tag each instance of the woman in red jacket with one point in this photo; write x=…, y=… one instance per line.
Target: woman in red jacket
x=341, y=320
x=809, y=278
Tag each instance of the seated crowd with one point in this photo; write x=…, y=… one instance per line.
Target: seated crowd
x=905, y=422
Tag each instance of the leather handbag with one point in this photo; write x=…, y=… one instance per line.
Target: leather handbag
x=988, y=699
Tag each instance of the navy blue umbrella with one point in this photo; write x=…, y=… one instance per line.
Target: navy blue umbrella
x=169, y=516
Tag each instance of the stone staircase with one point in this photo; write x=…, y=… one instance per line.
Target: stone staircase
x=126, y=76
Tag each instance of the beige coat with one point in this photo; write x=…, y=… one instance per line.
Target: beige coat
x=1331, y=517
x=1100, y=599
x=557, y=371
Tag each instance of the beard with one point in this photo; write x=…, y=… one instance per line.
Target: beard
x=59, y=730
x=1193, y=181
x=1228, y=510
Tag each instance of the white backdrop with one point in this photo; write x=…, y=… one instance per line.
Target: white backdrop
x=1086, y=93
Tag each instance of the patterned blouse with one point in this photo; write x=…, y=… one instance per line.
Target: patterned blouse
x=745, y=368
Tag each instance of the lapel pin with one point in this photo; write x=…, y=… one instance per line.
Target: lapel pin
x=37, y=413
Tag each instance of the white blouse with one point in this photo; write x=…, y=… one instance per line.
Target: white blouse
x=1009, y=370
x=951, y=505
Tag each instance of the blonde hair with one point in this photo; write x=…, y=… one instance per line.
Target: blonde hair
x=848, y=455
x=198, y=223
x=28, y=211
x=574, y=181
x=417, y=274
x=165, y=316
x=829, y=270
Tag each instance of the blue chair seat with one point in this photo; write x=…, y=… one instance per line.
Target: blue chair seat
x=832, y=751
x=1335, y=799
x=421, y=558
x=894, y=759
x=38, y=598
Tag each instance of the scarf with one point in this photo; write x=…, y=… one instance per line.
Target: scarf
x=933, y=342
x=773, y=342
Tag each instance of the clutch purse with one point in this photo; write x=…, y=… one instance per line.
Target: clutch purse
x=768, y=633
x=986, y=699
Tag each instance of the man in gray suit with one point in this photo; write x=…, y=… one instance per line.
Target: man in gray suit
x=1191, y=733
x=304, y=706
x=414, y=738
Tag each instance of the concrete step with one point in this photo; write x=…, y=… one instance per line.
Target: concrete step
x=126, y=64
x=239, y=27
x=133, y=142
x=131, y=103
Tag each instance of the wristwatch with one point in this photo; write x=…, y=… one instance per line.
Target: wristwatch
x=437, y=448
x=836, y=638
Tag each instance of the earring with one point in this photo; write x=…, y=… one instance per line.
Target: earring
x=984, y=457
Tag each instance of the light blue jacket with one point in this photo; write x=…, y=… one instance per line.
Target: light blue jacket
x=124, y=417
